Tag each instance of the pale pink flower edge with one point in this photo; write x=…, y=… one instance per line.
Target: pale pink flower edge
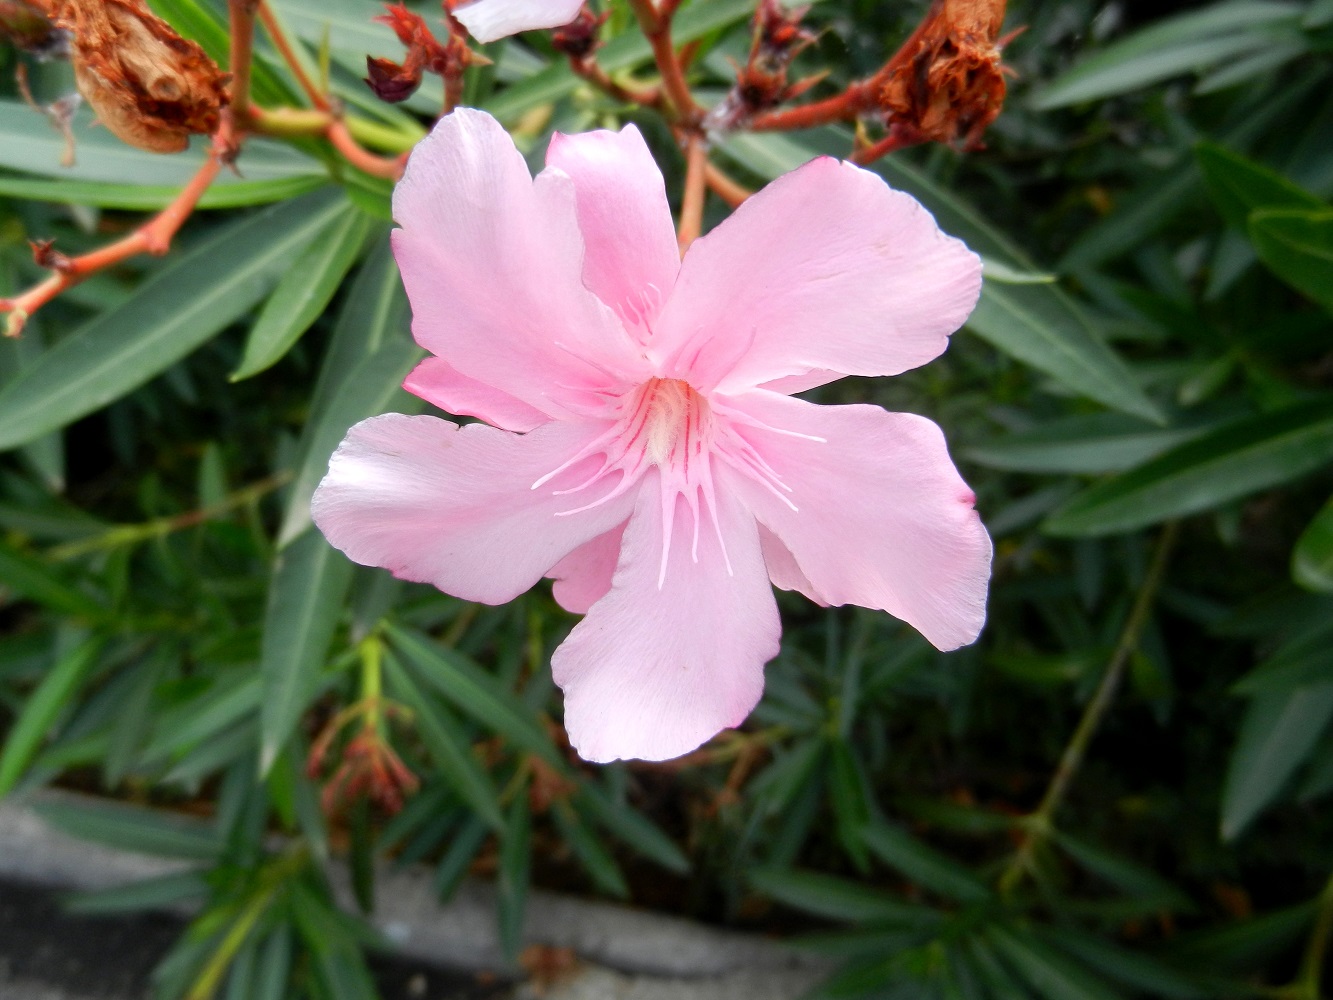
x=491, y=20
x=535, y=295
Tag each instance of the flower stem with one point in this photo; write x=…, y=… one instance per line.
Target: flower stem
x=289, y=55
x=655, y=24
x=132, y=534
x=692, y=203
x=242, y=22
x=1312, y=964
x=1039, y=824
x=722, y=185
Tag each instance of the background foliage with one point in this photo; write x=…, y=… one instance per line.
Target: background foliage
x=1120, y=791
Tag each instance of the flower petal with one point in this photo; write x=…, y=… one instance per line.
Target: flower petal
x=883, y=518
x=632, y=258
x=489, y=20
x=825, y=268
x=437, y=382
x=583, y=577
x=453, y=506
x=652, y=672
x=493, y=264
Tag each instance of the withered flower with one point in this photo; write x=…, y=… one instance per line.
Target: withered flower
x=148, y=85
x=948, y=85
x=762, y=82
x=394, y=82
x=27, y=26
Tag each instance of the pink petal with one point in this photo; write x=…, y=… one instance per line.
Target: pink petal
x=883, y=518
x=489, y=20
x=493, y=264
x=782, y=568
x=654, y=672
x=632, y=258
x=825, y=268
x=435, y=381
x=583, y=577
x=453, y=506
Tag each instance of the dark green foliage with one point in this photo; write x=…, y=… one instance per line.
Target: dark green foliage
x=1143, y=402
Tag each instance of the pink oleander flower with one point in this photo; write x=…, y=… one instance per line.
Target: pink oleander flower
x=640, y=445
x=488, y=20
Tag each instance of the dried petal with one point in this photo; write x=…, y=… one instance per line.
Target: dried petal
x=148, y=85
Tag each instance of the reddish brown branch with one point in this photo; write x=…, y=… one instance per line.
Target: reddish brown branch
x=692, y=203
x=284, y=46
x=655, y=23
x=723, y=186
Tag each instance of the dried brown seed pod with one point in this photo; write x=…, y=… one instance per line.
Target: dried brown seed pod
x=148, y=85
x=951, y=85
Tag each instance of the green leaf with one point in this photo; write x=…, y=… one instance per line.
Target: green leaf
x=1128, y=877
x=1049, y=973
x=1297, y=246
x=1172, y=47
x=57, y=689
x=171, y=314
x=1306, y=657
x=924, y=865
x=631, y=828
x=512, y=883
x=838, y=899
x=1085, y=443
x=850, y=798
x=152, y=198
x=592, y=854
x=1239, y=185
x=29, y=144
x=24, y=576
x=995, y=270
x=1143, y=972
x=1279, y=732
x=1312, y=559
x=304, y=290
x=1238, y=459
x=478, y=694
x=364, y=367
x=132, y=828
x=457, y=764
x=1041, y=328
x=305, y=600
x=156, y=893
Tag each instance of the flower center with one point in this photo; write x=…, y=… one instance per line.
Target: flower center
x=676, y=421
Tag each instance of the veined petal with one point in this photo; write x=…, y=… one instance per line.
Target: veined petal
x=825, y=268
x=882, y=517
x=631, y=255
x=652, y=672
x=438, y=382
x=489, y=20
x=454, y=506
x=584, y=576
x=493, y=264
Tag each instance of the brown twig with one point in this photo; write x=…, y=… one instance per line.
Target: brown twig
x=655, y=23
x=723, y=186
x=891, y=143
x=288, y=53
x=692, y=203
x=242, y=22
x=591, y=70
x=289, y=122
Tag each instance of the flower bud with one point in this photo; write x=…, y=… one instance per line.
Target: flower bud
x=150, y=87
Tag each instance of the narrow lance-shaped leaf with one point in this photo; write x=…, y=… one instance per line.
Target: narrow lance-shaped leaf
x=309, y=583
x=1240, y=458
x=56, y=690
x=171, y=314
x=1170, y=48
x=1297, y=246
x=1312, y=559
x=303, y=291
x=1278, y=734
x=1239, y=185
